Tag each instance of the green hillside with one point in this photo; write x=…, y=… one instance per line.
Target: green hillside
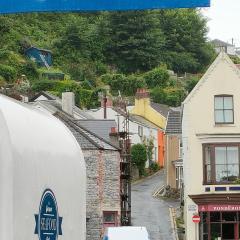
x=125, y=50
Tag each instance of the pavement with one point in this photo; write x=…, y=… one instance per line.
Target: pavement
x=151, y=212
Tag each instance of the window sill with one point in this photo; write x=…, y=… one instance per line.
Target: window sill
x=224, y=125
x=220, y=184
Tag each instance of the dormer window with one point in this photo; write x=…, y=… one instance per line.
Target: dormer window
x=223, y=106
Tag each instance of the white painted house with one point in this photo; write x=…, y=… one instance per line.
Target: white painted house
x=224, y=46
x=140, y=129
x=211, y=153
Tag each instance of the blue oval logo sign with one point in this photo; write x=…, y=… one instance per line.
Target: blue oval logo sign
x=48, y=222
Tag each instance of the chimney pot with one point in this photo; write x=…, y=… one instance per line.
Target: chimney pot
x=113, y=130
x=109, y=102
x=142, y=93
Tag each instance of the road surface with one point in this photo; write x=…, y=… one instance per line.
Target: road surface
x=151, y=212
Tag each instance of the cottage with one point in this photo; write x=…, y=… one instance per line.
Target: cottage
x=51, y=103
x=211, y=147
x=103, y=179
x=42, y=57
x=224, y=46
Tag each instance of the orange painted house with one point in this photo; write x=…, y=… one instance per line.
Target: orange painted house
x=161, y=148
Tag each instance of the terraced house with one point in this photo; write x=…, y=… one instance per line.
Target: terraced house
x=211, y=148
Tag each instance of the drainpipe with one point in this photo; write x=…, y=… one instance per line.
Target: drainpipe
x=105, y=106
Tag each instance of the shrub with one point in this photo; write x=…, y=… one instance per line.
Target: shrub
x=172, y=96
x=190, y=83
x=127, y=85
x=83, y=97
x=139, y=157
x=8, y=73
x=2, y=82
x=154, y=167
x=44, y=85
x=158, y=77
x=30, y=70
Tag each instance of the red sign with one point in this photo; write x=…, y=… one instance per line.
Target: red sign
x=219, y=208
x=196, y=219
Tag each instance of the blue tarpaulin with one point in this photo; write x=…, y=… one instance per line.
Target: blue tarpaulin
x=15, y=6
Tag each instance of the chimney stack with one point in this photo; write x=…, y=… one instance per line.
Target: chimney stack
x=142, y=93
x=114, y=137
x=68, y=102
x=105, y=103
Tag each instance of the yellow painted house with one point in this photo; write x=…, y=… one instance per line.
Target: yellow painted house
x=155, y=113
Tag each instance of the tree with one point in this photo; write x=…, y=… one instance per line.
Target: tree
x=186, y=48
x=139, y=157
x=135, y=40
x=149, y=144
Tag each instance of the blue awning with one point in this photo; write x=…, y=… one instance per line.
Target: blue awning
x=16, y=6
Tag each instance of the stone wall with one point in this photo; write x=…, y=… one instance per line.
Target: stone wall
x=103, y=188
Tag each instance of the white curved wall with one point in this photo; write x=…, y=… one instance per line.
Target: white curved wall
x=38, y=152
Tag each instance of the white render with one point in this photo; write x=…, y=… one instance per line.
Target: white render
x=148, y=132
x=68, y=102
x=38, y=152
x=199, y=127
x=229, y=49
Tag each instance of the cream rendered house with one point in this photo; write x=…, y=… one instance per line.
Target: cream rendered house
x=211, y=153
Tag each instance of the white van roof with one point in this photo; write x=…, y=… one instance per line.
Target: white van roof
x=127, y=233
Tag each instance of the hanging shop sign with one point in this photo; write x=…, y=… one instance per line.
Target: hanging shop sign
x=219, y=208
x=17, y=6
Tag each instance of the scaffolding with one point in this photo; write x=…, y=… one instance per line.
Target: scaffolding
x=125, y=167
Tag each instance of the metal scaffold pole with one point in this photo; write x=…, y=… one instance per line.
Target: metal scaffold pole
x=125, y=166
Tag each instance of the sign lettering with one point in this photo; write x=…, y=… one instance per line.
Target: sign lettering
x=218, y=208
x=48, y=222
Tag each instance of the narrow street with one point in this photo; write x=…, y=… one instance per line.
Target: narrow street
x=151, y=212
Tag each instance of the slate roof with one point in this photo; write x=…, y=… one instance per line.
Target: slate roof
x=86, y=139
x=101, y=127
x=138, y=119
x=47, y=95
x=174, y=122
x=54, y=104
x=39, y=49
x=219, y=43
x=161, y=108
x=142, y=121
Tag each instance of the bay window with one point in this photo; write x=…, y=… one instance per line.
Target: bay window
x=221, y=163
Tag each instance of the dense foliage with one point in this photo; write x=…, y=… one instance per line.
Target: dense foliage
x=125, y=50
x=139, y=157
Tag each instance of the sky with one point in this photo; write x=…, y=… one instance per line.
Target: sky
x=224, y=20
